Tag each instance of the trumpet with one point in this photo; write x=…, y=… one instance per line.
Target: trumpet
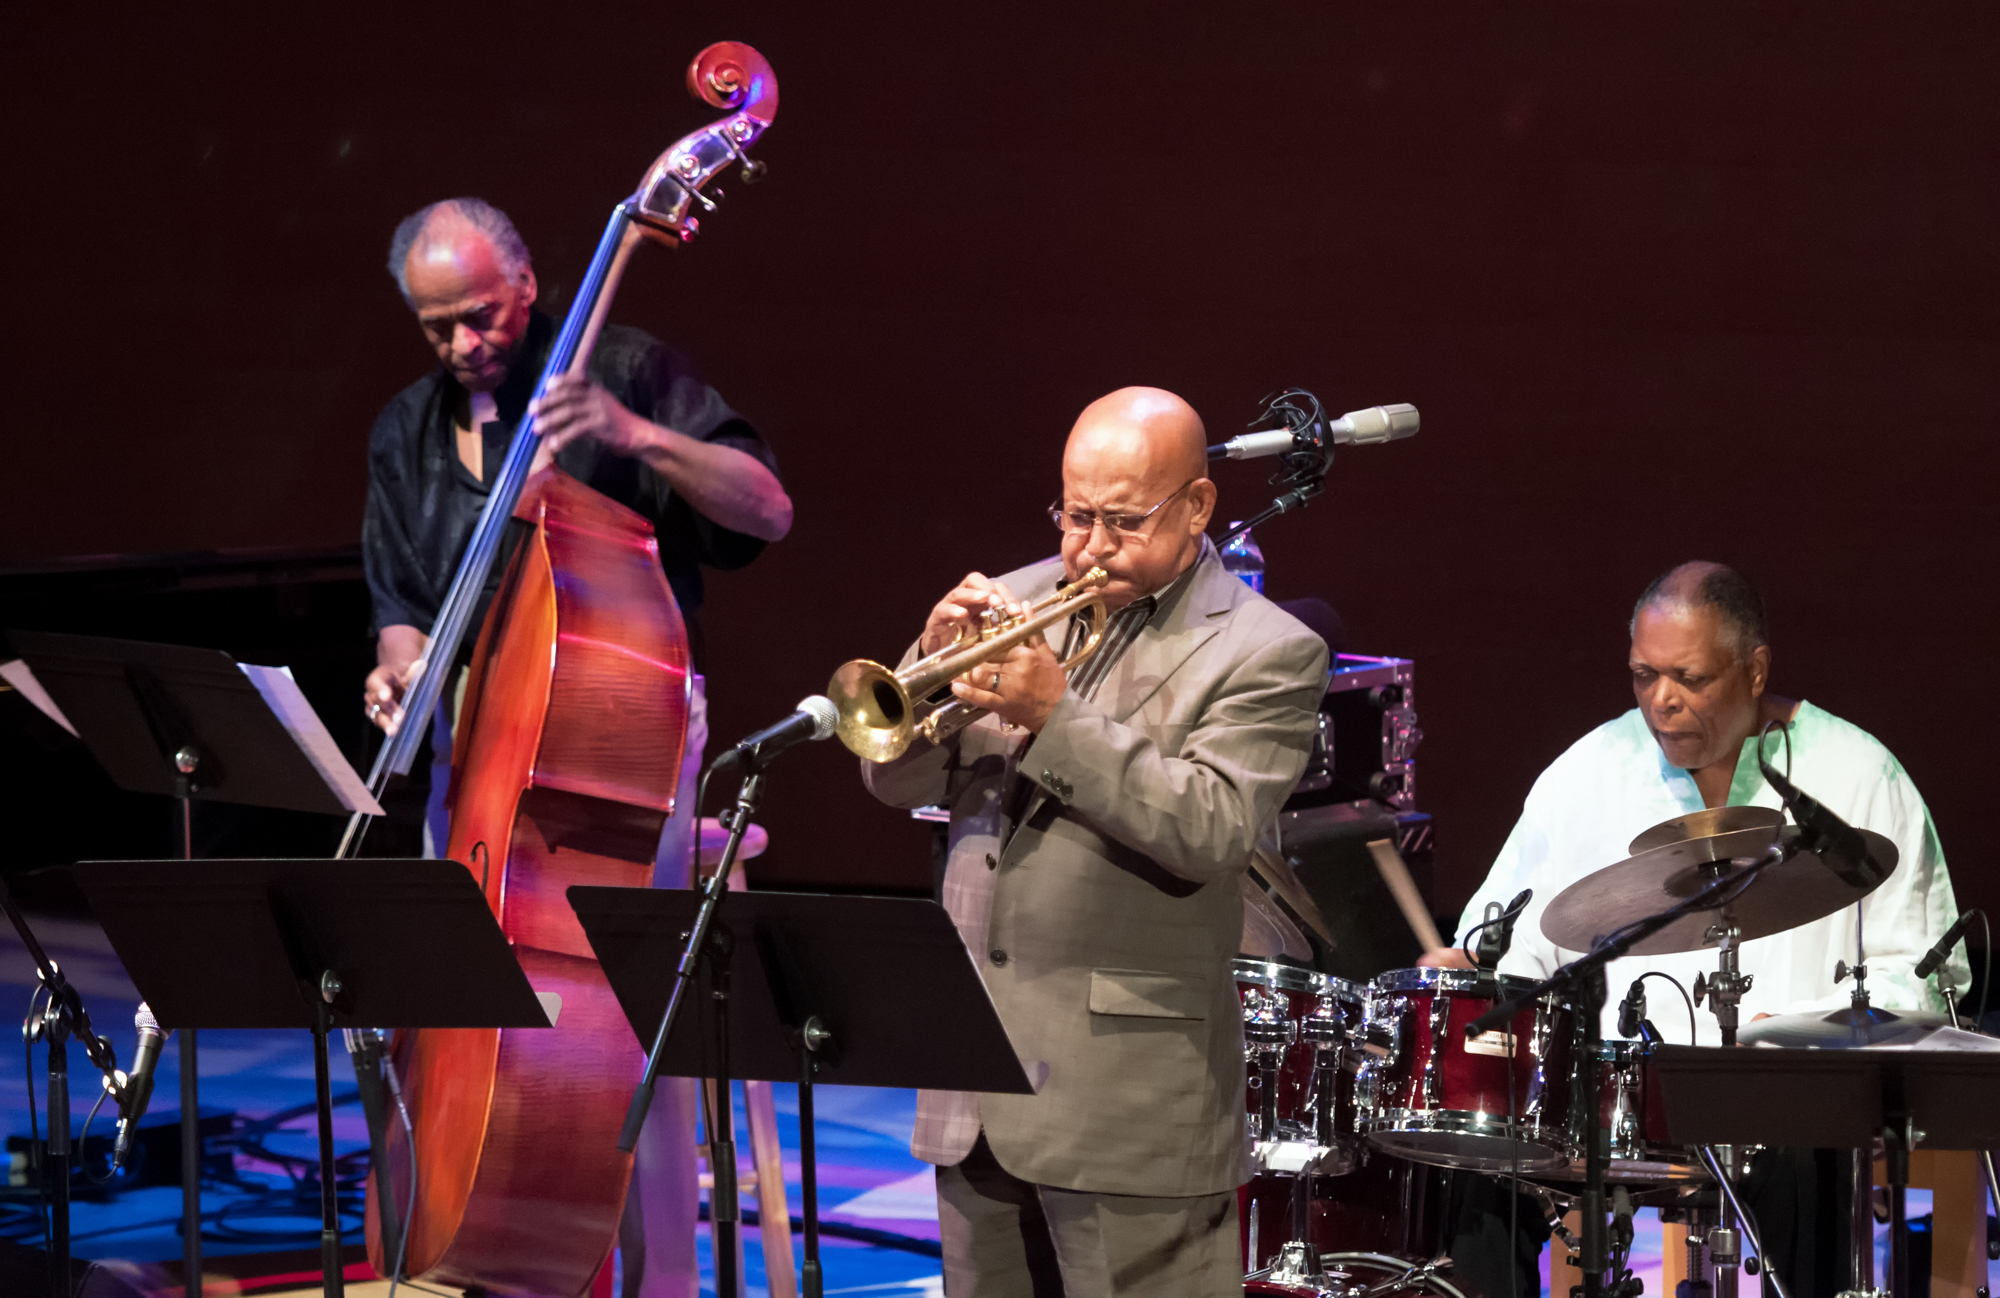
x=881, y=710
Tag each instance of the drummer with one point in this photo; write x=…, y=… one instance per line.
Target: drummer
x=1700, y=660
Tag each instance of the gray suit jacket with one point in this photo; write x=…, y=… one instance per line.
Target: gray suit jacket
x=1099, y=899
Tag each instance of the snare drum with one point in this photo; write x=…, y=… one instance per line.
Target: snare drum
x=1426, y=1093
x=1630, y=1109
x=1299, y=1026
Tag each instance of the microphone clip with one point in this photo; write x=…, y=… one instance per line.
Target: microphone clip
x=1298, y=412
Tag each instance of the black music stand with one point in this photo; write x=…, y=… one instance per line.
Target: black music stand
x=188, y=724
x=860, y=991
x=1746, y=1096
x=314, y=945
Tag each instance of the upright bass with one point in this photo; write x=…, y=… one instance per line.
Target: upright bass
x=567, y=753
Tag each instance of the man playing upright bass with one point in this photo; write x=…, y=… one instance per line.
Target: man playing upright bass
x=642, y=430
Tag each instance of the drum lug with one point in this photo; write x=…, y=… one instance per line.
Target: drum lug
x=1433, y=1066
x=1538, y=1083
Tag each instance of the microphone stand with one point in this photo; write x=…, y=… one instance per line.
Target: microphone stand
x=64, y=1017
x=723, y=1214
x=1581, y=982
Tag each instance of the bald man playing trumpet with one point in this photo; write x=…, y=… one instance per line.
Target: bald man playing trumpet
x=1101, y=819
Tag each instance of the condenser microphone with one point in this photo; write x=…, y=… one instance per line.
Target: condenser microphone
x=1355, y=428
x=139, y=1082
x=816, y=718
x=1938, y=954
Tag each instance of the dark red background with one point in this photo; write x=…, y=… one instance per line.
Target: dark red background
x=1666, y=279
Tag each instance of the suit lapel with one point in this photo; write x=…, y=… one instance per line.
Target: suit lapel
x=1154, y=656
x=1160, y=649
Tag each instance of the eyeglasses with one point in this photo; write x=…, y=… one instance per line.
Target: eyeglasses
x=1080, y=522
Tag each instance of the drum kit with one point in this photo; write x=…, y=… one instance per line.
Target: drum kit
x=1364, y=1099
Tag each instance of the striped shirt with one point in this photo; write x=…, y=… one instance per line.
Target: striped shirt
x=1121, y=629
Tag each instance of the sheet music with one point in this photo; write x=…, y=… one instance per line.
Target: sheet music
x=18, y=674
x=281, y=693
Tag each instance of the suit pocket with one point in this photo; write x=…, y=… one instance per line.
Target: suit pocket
x=1136, y=993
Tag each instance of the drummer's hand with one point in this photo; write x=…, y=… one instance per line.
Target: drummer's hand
x=399, y=652
x=962, y=607
x=1444, y=957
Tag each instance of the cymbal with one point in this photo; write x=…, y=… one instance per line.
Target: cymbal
x=1792, y=892
x=1709, y=822
x=1843, y=1029
x=714, y=836
x=1267, y=930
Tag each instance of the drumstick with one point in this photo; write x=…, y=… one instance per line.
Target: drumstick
x=1404, y=889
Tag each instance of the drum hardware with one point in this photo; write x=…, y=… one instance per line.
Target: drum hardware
x=1695, y=876
x=1440, y=1020
x=1297, y=1023
x=1538, y=1085
x=1326, y=1031
x=1725, y=990
x=1724, y=1244
x=1401, y=1275
x=1267, y=1033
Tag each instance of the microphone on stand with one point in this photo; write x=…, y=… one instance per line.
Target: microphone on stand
x=139, y=1082
x=1940, y=953
x=1632, y=1010
x=1497, y=937
x=815, y=719
x=1355, y=428
x=1826, y=835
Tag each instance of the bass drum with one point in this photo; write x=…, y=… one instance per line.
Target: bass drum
x=1384, y=1206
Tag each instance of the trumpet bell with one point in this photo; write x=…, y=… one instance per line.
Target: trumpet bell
x=877, y=719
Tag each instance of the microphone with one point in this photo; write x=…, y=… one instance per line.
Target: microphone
x=1356, y=428
x=1942, y=951
x=139, y=1082
x=815, y=719
x=1832, y=839
x=1494, y=945
x=1632, y=1010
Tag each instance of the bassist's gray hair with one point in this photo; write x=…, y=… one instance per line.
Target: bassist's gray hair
x=475, y=212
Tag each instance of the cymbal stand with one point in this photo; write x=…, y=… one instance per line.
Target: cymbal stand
x=1720, y=1160
x=1725, y=990
x=1861, y=1229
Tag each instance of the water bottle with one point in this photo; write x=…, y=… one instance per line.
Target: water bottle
x=1242, y=557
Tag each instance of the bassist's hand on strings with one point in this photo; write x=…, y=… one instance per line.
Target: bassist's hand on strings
x=571, y=407
x=399, y=653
